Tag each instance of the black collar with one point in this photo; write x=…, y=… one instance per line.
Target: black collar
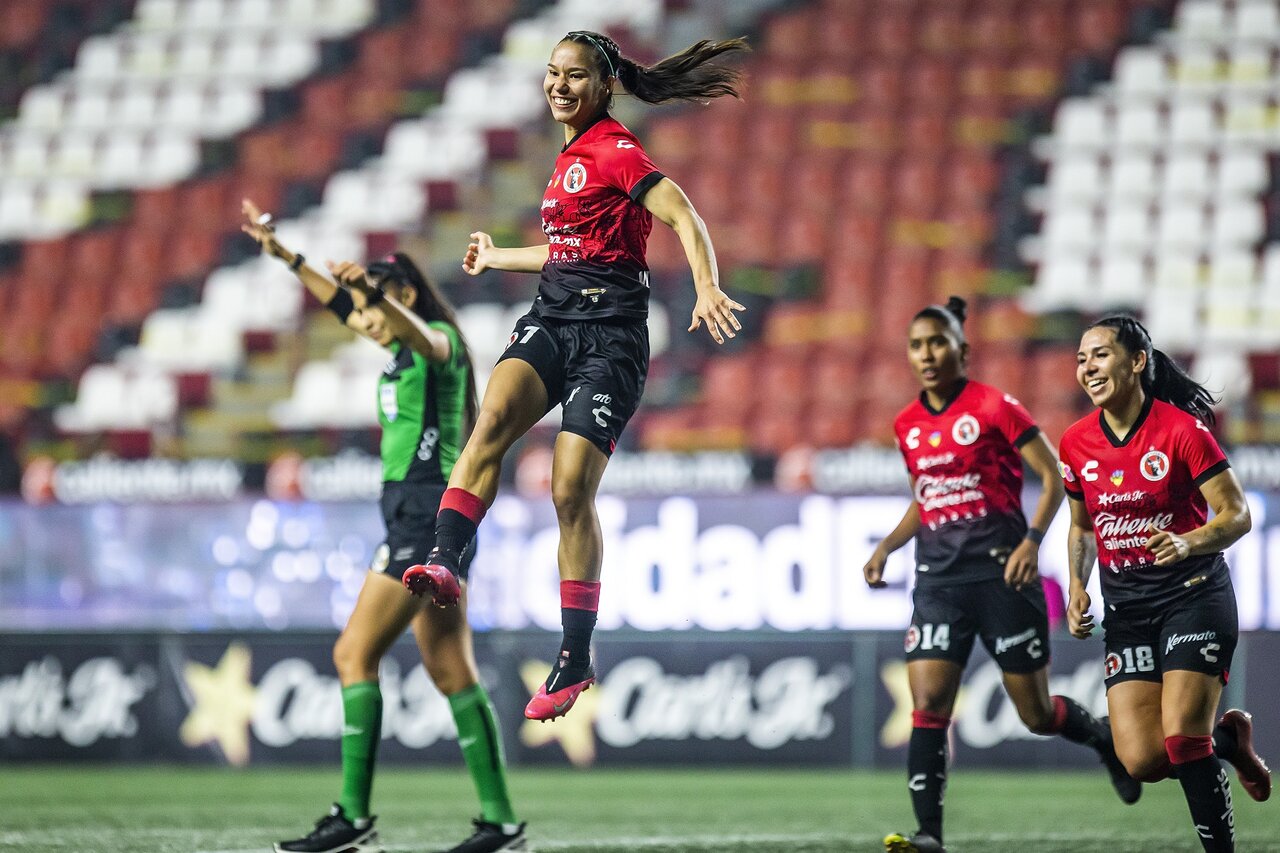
x=603, y=115
x=1137, y=424
x=924, y=398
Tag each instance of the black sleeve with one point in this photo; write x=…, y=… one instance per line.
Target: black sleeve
x=1027, y=434
x=1209, y=473
x=644, y=185
x=341, y=304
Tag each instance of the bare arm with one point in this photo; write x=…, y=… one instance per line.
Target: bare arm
x=483, y=255
x=1023, y=565
x=410, y=329
x=1082, y=553
x=1231, y=520
x=907, y=528
x=666, y=201
x=258, y=227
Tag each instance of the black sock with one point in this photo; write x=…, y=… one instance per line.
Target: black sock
x=1224, y=743
x=1208, y=791
x=454, y=531
x=927, y=777
x=578, y=627
x=1079, y=726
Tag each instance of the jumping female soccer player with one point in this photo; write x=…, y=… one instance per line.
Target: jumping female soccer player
x=584, y=344
x=964, y=444
x=1142, y=473
x=426, y=403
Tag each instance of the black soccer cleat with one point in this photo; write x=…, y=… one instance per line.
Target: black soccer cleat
x=921, y=842
x=334, y=833
x=493, y=837
x=1128, y=789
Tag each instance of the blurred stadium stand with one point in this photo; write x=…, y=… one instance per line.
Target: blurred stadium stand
x=1048, y=159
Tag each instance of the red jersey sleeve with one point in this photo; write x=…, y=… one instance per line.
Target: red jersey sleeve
x=1067, y=468
x=1014, y=421
x=627, y=167
x=1201, y=452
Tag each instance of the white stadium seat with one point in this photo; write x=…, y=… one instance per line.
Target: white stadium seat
x=1141, y=72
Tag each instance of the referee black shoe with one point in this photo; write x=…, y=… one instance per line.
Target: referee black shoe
x=921, y=842
x=1128, y=789
x=438, y=578
x=493, y=837
x=334, y=833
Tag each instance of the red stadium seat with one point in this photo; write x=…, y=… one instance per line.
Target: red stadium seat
x=863, y=184
x=932, y=83
x=891, y=31
x=882, y=85
x=729, y=382
x=994, y=28
x=835, y=426
x=916, y=185
x=777, y=430
x=942, y=29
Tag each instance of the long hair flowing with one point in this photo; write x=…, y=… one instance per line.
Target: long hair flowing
x=1162, y=378
x=689, y=75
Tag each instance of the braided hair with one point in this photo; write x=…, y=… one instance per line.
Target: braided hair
x=1162, y=378
x=687, y=76
x=432, y=306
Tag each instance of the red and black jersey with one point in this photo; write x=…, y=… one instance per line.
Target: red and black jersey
x=1151, y=477
x=596, y=228
x=966, y=471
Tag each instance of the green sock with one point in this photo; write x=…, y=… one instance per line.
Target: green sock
x=482, y=750
x=361, y=730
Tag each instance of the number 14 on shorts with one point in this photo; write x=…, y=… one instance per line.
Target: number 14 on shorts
x=928, y=636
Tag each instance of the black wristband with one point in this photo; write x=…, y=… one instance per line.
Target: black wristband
x=1035, y=535
x=341, y=304
x=374, y=298
x=298, y=260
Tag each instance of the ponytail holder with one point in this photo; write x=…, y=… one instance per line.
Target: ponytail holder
x=599, y=47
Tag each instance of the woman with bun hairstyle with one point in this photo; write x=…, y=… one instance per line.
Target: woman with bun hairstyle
x=584, y=345
x=1142, y=473
x=426, y=404
x=964, y=444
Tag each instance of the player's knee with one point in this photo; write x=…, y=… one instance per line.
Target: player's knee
x=353, y=661
x=572, y=499
x=449, y=674
x=489, y=437
x=937, y=704
x=1144, y=765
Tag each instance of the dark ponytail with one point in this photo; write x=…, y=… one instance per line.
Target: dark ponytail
x=431, y=306
x=1162, y=378
x=687, y=76
x=952, y=315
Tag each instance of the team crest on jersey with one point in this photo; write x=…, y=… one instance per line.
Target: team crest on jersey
x=1112, y=665
x=912, y=641
x=965, y=430
x=1154, y=465
x=1117, y=476
x=1067, y=473
x=575, y=178
x=935, y=438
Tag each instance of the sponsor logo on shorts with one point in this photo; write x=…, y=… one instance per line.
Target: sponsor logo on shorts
x=965, y=431
x=912, y=641
x=1179, y=639
x=601, y=413
x=1003, y=644
x=1154, y=465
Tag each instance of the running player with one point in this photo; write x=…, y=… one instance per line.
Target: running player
x=1142, y=473
x=584, y=344
x=977, y=562
x=426, y=403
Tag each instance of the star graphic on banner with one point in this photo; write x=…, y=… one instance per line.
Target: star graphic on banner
x=575, y=730
x=223, y=704
x=896, y=730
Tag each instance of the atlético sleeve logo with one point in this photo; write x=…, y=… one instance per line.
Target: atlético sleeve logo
x=575, y=178
x=1154, y=465
x=965, y=430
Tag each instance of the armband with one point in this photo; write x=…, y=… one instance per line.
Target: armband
x=298, y=260
x=341, y=304
x=1034, y=535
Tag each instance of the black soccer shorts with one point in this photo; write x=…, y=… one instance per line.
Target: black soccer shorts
x=1196, y=631
x=409, y=513
x=1013, y=624
x=595, y=370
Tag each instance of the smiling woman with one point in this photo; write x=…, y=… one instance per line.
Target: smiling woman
x=584, y=343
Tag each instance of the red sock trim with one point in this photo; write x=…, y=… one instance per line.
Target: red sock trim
x=1059, y=715
x=460, y=500
x=1184, y=750
x=927, y=720
x=580, y=595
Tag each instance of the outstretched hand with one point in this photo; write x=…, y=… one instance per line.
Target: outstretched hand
x=715, y=308
x=355, y=278
x=259, y=227
x=479, y=254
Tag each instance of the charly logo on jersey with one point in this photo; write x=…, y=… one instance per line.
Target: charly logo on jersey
x=1117, y=477
x=965, y=430
x=1154, y=465
x=575, y=178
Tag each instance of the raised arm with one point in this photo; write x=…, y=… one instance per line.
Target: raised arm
x=408, y=328
x=669, y=204
x=1082, y=553
x=259, y=228
x=1023, y=565
x=1231, y=520
x=907, y=528
x=483, y=255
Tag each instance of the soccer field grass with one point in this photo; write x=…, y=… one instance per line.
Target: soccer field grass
x=147, y=810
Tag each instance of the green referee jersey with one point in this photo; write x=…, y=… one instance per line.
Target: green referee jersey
x=421, y=407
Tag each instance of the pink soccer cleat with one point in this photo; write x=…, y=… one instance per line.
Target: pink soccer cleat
x=436, y=579
x=549, y=704
x=1255, y=776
